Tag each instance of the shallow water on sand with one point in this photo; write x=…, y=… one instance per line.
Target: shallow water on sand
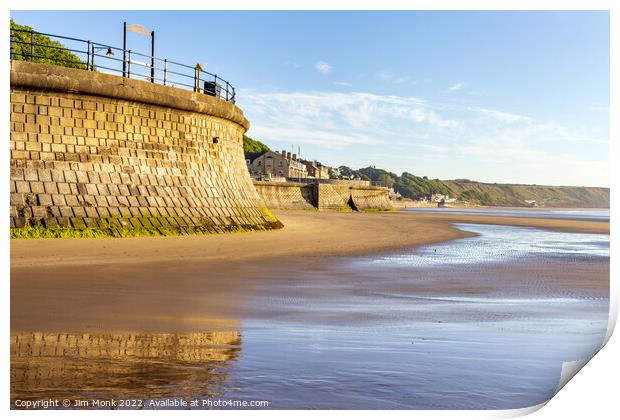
x=447, y=326
x=498, y=243
x=372, y=339
x=595, y=215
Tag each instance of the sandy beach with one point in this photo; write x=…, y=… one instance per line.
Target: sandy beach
x=185, y=283
x=306, y=233
x=450, y=304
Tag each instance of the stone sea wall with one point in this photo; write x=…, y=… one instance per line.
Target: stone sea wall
x=286, y=195
x=331, y=196
x=91, y=150
x=365, y=198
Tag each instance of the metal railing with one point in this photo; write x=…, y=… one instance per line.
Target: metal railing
x=94, y=56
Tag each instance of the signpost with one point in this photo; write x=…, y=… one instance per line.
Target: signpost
x=139, y=29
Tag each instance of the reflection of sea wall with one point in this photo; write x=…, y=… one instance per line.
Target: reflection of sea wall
x=192, y=346
x=137, y=365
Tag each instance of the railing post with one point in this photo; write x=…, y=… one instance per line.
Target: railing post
x=128, y=63
x=88, y=67
x=215, y=86
x=92, y=55
x=32, y=46
x=196, y=78
x=226, y=91
x=165, y=69
x=153, y=57
x=124, y=46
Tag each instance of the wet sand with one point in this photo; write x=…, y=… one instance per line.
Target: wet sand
x=306, y=233
x=188, y=284
x=565, y=225
x=483, y=321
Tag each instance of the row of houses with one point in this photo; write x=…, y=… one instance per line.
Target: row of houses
x=286, y=165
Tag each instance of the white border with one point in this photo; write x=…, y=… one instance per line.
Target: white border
x=593, y=393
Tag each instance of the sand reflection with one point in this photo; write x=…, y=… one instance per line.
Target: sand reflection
x=121, y=365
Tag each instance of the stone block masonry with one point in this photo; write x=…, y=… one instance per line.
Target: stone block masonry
x=356, y=197
x=325, y=196
x=287, y=195
x=90, y=150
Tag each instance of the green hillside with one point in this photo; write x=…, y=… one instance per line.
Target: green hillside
x=508, y=195
x=253, y=146
x=515, y=195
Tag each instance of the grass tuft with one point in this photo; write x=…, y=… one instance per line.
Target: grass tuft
x=115, y=227
x=374, y=209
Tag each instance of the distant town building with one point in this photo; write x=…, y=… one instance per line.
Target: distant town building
x=442, y=198
x=317, y=170
x=276, y=164
x=393, y=195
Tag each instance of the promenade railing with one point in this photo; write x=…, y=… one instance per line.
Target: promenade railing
x=94, y=56
x=351, y=182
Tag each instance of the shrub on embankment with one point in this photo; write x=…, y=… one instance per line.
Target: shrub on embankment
x=46, y=51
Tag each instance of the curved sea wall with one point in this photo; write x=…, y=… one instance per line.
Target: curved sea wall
x=91, y=150
x=367, y=198
x=357, y=197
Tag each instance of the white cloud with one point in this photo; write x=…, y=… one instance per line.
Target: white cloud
x=402, y=79
x=389, y=76
x=337, y=120
x=471, y=142
x=343, y=84
x=457, y=86
x=386, y=75
x=323, y=67
x=292, y=64
x=501, y=116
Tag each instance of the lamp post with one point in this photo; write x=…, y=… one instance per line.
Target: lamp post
x=94, y=50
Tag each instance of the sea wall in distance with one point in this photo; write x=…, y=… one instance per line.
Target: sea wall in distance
x=323, y=196
x=91, y=150
x=287, y=195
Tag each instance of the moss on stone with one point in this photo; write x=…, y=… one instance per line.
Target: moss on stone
x=374, y=209
x=268, y=214
x=119, y=227
x=343, y=209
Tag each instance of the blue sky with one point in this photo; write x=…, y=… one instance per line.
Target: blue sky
x=514, y=96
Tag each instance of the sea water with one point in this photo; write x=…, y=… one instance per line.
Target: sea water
x=361, y=342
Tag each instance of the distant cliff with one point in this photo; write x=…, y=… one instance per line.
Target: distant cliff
x=515, y=195
x=509, y=195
